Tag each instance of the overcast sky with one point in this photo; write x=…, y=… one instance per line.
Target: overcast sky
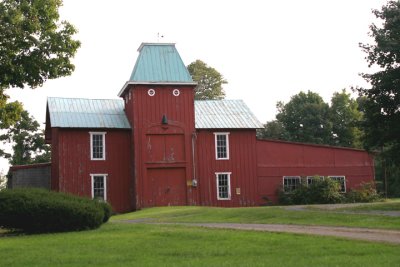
x=267, y=50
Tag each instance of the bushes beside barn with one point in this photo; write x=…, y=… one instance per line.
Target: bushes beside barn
x=326, y=191
x=38, y=210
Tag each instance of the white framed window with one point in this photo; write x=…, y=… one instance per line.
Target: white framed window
x=311, y=179
x=290, y=183
x=97, y=145
x=176, y=92
x=99, y=186
x=223, y=185
x=342, y=181
x=221, y=145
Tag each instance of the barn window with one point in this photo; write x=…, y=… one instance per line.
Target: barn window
x=290, y=183
x=99, y=186
x=311, y=179
x=342, y=182
x=97, y=145
x=221, y=145
x=223, y=185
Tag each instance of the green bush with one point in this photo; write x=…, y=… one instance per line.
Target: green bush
x=321, y=191
x=38, y=210
x=366, y=193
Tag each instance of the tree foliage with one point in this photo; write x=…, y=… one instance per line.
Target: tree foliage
x=34, y=46
x=209, y=81
x=382, y=106
x=28, y=142
x=307, y=118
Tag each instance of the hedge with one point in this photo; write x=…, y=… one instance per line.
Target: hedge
x=38, y=210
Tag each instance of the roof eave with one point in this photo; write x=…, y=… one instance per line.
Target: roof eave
x=152, y=83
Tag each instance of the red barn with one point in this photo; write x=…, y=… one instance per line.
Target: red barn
x=157, y=146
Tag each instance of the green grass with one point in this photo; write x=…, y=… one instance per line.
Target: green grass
x=274, y=215
x=117, y=244
x=387, y=205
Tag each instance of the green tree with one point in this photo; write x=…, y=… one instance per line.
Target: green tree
x=34, y=46
x=345, y=117
x=273, y=130
x=382, y=105
x=28, y=142
x=305, y=118
x=209, y=81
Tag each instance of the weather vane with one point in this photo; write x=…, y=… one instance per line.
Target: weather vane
x=159, y=36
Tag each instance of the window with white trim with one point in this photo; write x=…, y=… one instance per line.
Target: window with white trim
x=223, y=185
x=97, y=145
x=99, y=186
x=342, y=182
x=290, y=183
x=221, y=145
x=311, y=179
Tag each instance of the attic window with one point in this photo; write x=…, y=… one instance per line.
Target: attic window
x=176, y=92
x=151, y=92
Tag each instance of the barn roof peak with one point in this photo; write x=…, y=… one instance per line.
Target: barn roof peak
x=158, y=63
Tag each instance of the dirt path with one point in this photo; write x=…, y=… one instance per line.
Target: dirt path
x=377, y=235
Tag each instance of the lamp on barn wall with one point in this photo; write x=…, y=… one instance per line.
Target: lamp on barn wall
x=164, y=119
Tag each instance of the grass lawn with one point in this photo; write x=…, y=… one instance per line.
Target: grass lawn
x=387, y=205
x=117, y=244
x=265, y=215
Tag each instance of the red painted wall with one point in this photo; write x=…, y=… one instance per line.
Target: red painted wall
x=72, y=166
x=276, y=159
x=242, y=164
x=161, y=148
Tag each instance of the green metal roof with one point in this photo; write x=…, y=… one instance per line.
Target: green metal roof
x=224, y=114
x=87, y=113
x=159, y=62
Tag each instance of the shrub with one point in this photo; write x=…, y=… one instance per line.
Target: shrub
x=38, y=210
x=320, y=191
x=366, y=193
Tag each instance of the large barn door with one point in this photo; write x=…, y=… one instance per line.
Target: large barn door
x=169, y=186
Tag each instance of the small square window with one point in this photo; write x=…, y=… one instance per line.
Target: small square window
x=290, y=183
x=342, y=182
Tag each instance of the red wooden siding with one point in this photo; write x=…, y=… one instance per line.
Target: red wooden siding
x=162, y=148
x=72, y=166
x=276, y=159
x=242, y=165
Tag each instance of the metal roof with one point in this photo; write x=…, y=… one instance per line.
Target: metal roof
x=224, y=114
x=87, y=113
x=159, y=62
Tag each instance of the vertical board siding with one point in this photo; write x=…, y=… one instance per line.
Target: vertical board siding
x=74, y=166
x=241, y=164
x=276, y=159
x=145, y=114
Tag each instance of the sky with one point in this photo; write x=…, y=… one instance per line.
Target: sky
x=267, y=50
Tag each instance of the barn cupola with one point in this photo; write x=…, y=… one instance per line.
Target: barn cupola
x=158, y=63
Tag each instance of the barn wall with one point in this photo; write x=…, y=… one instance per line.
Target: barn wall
x=33, y=175
x=72, y=165
x=162, y=148
x=242, y=165
x=276, y=159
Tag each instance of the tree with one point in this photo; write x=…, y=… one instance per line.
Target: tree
x=34, y=46
x=209, y=81
x=382, y=105
x=273, y=130
x=345, y=117
x=28, y=142
x=305, y=118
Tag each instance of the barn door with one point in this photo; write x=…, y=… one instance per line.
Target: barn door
x=168, y=186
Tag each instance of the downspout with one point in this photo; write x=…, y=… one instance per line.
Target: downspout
x=194, y=180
